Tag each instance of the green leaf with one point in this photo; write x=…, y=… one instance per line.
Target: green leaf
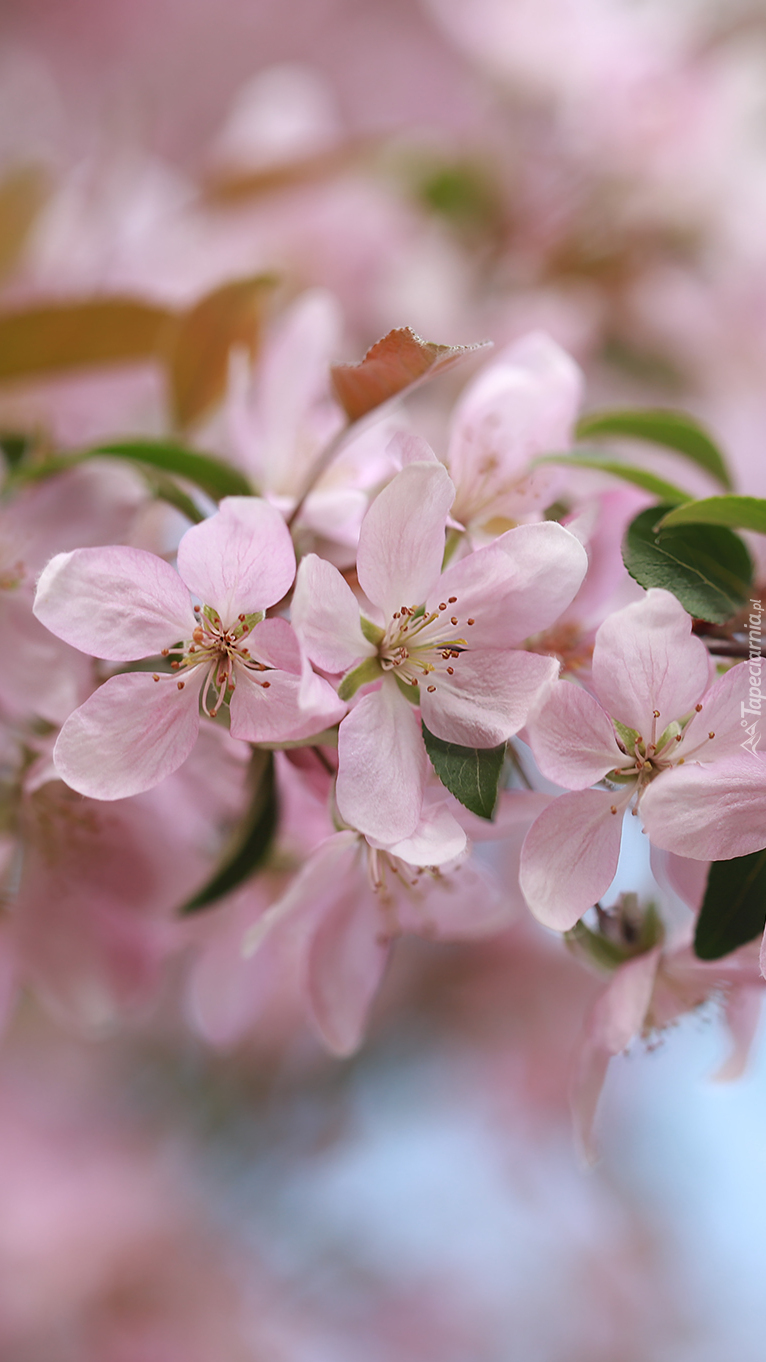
x=739, y=513
x=471, y=774
x=673, y=429
x=734, y=908
x=57, y=336
x=252, y=840
x=164, y=489
x=211, y=475
x=640, y=477
x=707, y=567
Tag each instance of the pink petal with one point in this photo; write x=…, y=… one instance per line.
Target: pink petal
x=117, y=603
x=570, y=854
x=710, y=813
x=276, y=644
x=404, y=448
x=382, y=766
x=686, y=878
x=647, y=659
x=465, y=904
x=437, y=839
x=488, y=698
x=346, y=960
x=276, y=711
x=311, y=893
x=721, y=714
x=572, y=738
x=401, y=543
x=515, y=587
x=40, y=674
x=325, y=615
x=128, y=736
x=522, y=404
x=618, y=1014
x=615, y=1018
x=240, y=560
x=743, y=1013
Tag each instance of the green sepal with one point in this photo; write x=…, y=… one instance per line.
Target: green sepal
x=367, y=671
x=628, y=736
x=372, y=632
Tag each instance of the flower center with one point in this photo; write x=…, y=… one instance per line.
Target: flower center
x=422, y=647
x=648, y=760
x=222, y=650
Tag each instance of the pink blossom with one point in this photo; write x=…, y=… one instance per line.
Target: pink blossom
x=354, y=896
x=648, y=992
x=658, y=734
x=522, y=404
x=122, y=604
x=446, y=641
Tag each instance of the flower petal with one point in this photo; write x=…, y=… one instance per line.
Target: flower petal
x=722, y=714
x=240, y=560
x=437, y=839
x=522, y=404
x=488, y=698
x=275, y=706
x=515, y=587
x=710, y=813
x=325, y=615
x=128, y=736
x=116, y=602
x=647, y=659
x=346, y=960
x=401, y=543
x=570, y=854
x=572, y=738
x=615, y=1018
x=382, y=766
x=465, y=904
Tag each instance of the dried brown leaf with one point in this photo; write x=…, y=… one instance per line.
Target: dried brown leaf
x=397, y=362
x=58, y=336
x=198, y=345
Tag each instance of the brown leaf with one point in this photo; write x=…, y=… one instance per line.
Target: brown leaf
x=230, y=187
x=395, y=363
x=199, y=343
x=58, y=336
x=22, y=195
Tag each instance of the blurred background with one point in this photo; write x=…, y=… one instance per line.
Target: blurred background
x=596, y=168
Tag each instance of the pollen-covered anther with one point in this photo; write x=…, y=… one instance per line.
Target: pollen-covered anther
x=453, y=619
x=470, y=621
x=698, y=709
x=656, y=713
x=431, y=688
x=613, y=808
x=711, y=735
x=180, y=684
x=443, y=605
